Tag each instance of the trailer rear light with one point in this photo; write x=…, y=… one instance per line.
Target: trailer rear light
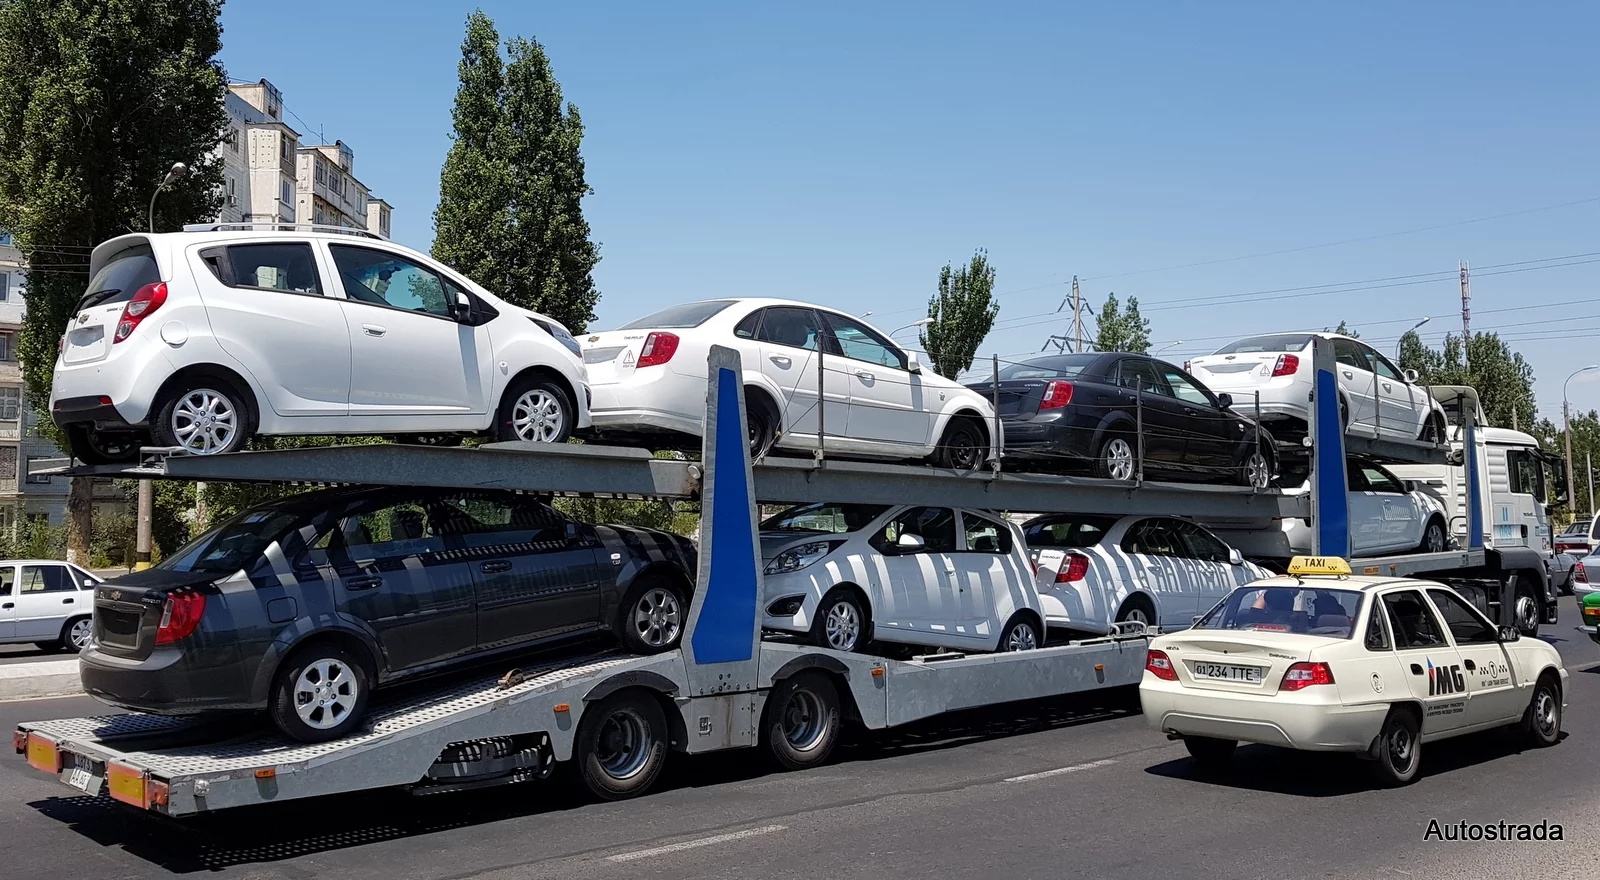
x=658, y=349
x=126, y=784
x=1076, y=569
x=1056, y=395
x=1157, y=663
x=1287, y=365
x=43, y=755
x=180, y=616
x=1304, y=675
x=19, y=741
x=143, y=305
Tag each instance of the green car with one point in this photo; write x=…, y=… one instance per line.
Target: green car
x=1589, y=608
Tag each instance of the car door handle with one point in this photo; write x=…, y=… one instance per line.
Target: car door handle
x=67, y=601
x=1349, y=375
x=780, y=360
x=363, y=583
x=8, y=605
x=1416, y=670
x=863, y=374
x=495, y=567
x=374, y=329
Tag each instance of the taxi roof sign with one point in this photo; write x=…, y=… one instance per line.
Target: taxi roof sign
x=1324, y=565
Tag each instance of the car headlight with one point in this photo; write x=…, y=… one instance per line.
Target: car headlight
x=561, y=335
x=796, y=558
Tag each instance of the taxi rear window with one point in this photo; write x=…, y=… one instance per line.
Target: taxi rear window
x=1311, y=611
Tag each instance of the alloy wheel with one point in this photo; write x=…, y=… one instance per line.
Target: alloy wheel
x=805, y=720
x=843, y=626
x=1435, y=539
x=80, y=632
x=325, y=693
x=1021, y=638
x=1136, y=615
x=205, y=421
x=1257, y=471
x=658, y=617
x=538, y=416
x=1119, y=459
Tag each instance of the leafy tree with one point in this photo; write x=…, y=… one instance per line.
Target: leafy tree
x=510, y=212
x=960, y=315
x=97, y=99
x=1122, y=328
x=1345, y=330
x=1502, y=377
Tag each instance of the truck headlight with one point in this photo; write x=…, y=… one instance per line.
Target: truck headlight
x=796, y=558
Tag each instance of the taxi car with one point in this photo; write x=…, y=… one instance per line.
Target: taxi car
x=1319, y=660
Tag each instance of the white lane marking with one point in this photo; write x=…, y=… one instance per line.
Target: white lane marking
x=1029, y=777
x=692, y=844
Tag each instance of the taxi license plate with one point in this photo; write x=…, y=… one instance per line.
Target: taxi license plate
x=81, y=773
x=1219, y=672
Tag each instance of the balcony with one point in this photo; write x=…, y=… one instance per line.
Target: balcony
x=10, y=431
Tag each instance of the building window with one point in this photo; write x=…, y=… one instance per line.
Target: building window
x=233, y=139
x=5, y=286
x=10, y=402
x=8, y=462
x=8, y=353
x=286, y=192
x=36, y=478
x=6, y=239
x=322, y=174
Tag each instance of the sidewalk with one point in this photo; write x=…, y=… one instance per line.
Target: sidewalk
x=39, y=678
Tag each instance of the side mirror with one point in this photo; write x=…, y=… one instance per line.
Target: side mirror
x=1410, y=485
x=1235, y=557
x=1225, y=400
x=910, y=543
x=1509, y=634
x=1410, y=376
x=912, y=364
x=461, y=309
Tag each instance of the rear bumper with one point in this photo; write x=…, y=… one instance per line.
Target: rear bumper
x=1051, y=435
x=166, y=683
x=95, y=409
x=1277, y=720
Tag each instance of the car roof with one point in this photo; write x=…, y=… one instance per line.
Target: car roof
x=1358, y=583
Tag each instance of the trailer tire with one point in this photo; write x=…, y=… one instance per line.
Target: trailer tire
x=621, y=746
x=313, y=664
x=1398, y=748
x=1541, y=722
x=801, y=721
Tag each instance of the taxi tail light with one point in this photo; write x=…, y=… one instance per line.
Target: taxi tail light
x=658, y=349
x=1076, y=569
x=1286, y=365
x=1157, y=663
x=1304, y=675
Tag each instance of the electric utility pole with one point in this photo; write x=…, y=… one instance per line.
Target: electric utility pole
x=1077, y=315
x=1466, y=317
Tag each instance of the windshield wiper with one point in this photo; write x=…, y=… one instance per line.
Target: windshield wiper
x=90, y=300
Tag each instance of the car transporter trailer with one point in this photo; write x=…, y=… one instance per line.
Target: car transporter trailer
x=616, y=715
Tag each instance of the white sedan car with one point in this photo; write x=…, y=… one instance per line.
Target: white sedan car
x=1372, y=666
x=46, y=602
x=1376, y=398
x=1094, y=570
x=845, y=575
x=649, y=377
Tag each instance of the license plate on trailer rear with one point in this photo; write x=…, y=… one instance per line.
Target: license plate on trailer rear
x=82, y=773
x=1219, y=672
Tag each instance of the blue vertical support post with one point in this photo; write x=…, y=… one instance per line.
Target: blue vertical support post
x=1330, y=484
x=1469, y=462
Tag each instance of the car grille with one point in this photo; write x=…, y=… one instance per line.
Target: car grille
x=120, y=628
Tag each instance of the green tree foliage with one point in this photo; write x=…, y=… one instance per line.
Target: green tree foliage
x=1503, y=379
x=1345, y=329
x=510, y=212
x=960, y=315
x=1122, y=328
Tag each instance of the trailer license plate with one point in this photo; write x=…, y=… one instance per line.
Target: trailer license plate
x=81, y=773
x=1218, y=672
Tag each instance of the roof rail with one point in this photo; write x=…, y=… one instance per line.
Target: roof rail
x=271, y=226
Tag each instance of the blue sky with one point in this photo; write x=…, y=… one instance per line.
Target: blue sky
x=843, y=152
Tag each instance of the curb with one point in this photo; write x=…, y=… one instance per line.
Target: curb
x=46, y=678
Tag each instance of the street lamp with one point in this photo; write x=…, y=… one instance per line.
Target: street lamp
x=177, y=172
x=918, y=323
x=1167, y=346
x=1566, y=420
x=1413, y=329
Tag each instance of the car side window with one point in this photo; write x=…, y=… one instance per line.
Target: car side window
x=1415, y=625
x=1377, y=638
x=1381, y=365
x=385, y=279
x=859, y=342
x=45, y=579
x=985, y=535
x=391, y=532
x=286, y=267
x=1183, y=388
x=487, y=521
x=746, y=329
x=8, y=580
x=790, y=326
x=1152, y=537
x=1199, y=543
x=936, y=526
x=1466, y=624
x=1379, y=481
x=1347, y=354
x=1137, y=374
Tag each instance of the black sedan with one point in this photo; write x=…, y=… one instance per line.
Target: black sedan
x=1084, y=410
x=302, y=606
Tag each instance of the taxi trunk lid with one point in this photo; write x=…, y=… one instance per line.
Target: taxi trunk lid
x=1241, y=662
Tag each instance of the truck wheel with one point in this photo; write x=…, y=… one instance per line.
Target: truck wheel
x=1210, y=752
x=802, y=720
x=320, y=693
x=1541, y=723
x=621, y=746
x=1527, y=609
x=1398, y=749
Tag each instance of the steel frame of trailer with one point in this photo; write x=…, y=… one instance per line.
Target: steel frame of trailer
x=713, y=689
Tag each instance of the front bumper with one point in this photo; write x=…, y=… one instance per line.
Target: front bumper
x=1294, y=721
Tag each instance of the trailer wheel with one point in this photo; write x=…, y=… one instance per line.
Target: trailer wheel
x=1541, y=723
x=621, y=746
x=802, y=720
x=1398, y=748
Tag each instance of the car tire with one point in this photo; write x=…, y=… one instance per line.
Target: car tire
x=760, y=424
x=75, y=634
x=535, y=409
x=1433, y=537
x=1210, y=752
x=1434, y=429
x=204, y=415
x=1541, y=722
x=652, y=616
x=842, y=622
x=1021, y=633
x=1117, y=458
x=621, y=746
x=962, y=448
x=1137, y=608
x=1255, y=468
x=1398, y=750
x=94, y=447
x=342, y=703
x=802, y=720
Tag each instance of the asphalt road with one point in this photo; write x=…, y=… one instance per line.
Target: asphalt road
x=1062, y=789
x=28, y=654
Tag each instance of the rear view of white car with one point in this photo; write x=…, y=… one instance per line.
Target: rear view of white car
x=201, y=339
x=847, y=575
x=1376, y=398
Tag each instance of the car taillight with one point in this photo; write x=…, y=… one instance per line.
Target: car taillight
x=1304, y=675
x=61, y=344
x=1158, y=664
x=1076, y=568
x=658, y=349
x=143, y=305
x=1056, y=395
x=1579, y=576
x=1186, y=367
x=179, y=616
x=1287, y=365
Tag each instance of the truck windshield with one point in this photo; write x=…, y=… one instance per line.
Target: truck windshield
x=1305, y=610
x=1277, y=342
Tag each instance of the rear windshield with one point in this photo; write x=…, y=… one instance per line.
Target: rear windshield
x=1278, y=342
x=1302, y=610
x=831, y=519
x=118, y=280
x=234, y=545
x=1576, y=528
x=679, y=317
x=1063, y=367
x=1073, y=533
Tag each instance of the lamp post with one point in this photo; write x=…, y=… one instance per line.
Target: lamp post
x=918, y=323
x=1414, y=328
x=177, y=172
x=1566, y=421
x=147, y=490
x=1167, y=346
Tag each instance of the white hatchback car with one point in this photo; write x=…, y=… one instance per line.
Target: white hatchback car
x=1373, y=666
x=201, y=339
x=649, y=377
x=1376, y=398
x=1095, y=570
x=846, y=575
x=46, y=602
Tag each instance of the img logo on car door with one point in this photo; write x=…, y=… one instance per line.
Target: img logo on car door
x=1445, y=680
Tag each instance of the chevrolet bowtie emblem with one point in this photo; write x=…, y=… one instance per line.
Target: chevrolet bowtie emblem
x=594, y=339
x=116, y=594
x=83, y=318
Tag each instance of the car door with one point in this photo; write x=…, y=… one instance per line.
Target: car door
x=46, y=596
x=1211, y=431
x=1155, y=550
x=887, y=402
x=537, y=573
x=8, y=603
x=1207, y=573
x=1489, y=668
x=789, y=337
x=410, y=356
x=1401, y=410
x=1433, y=667
x=919, y=582
x=394, y=571
x=1166, y=428
x=990, y=584
x=1391, y=513
x=1355, y=378
x=270, y=308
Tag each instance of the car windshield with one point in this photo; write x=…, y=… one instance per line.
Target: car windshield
x=118, y=280
x=831, y=519
x=1277, y=342
x=1061, y=367
x=679, y=317
x=234, y=545
x=1305, y=610
x=1076, y=532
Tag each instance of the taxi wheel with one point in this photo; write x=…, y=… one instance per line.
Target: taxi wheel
x=1399, y=748
x=1542, y=721
x=1209, y=752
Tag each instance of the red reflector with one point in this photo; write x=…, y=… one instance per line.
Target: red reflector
x=1056, y=395
x=1287, y=365
x=658, y=349
x=180, y=616
x=1076, y=569
x=1304, y=675
x=1158, y=664
x=19, y=741
x=104, y=400
x=143, y=305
